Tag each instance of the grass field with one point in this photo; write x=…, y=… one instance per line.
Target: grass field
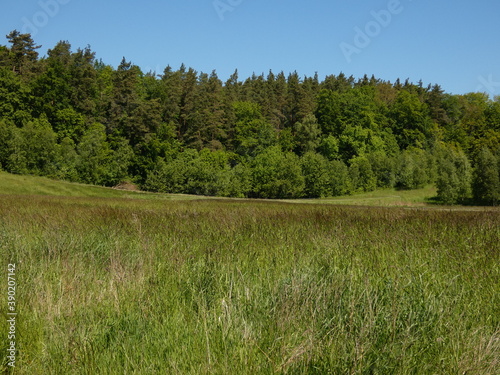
x=113, y=282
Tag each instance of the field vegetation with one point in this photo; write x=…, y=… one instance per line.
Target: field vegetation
x=113, y=282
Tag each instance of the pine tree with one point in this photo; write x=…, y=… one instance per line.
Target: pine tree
x=23, y=53
x=210, y=132
x=170, y=95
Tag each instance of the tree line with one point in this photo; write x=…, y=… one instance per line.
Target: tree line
x=70, y=116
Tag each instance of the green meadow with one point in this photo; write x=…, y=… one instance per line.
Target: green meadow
x=121, y=282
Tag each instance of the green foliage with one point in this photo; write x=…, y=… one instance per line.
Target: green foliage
x=156, y=179
x=33, y=149
x=100, y=164
x=315, y=169
x=358, y=141
x=307, y=135
x=286, y=139
x=171, y=177
x=151, y=124
x=339, y=178
x=240, y=182
x=413, y=169
x=93, y=152
x=67, y=161
x=23, y=55
x=7, y=131
x=252, y=132
x=120, y=160
x=277, y=174
x=454, y=176
x=329, y=147
x=69, y=124
x=384, y=169
x=329, y=113
x=411, y=123
x=448, y=182
x=204, y=173
x=208, y=174
x=486, y=185
x=339, y=110
x=492, y=114
x=362, y=176
x=13, y=94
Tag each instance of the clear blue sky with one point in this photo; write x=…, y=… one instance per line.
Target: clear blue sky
x=453, y=43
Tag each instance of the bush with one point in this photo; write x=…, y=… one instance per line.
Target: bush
x=454, y=176
x=412, y=170
x=277, y=175
x=486, y=184
x=384, y=168
x=170, y=177
x=32, y=149
x=204, y=173
x=362, y=176
x=339, y=179
x=316, y=176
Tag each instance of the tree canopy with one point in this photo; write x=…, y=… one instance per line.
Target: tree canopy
x=70, y=116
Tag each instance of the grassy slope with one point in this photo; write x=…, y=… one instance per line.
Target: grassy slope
x=385, y=197
x=31, y=185
x=11, y=184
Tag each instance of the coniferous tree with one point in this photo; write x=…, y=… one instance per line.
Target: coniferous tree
x=164, y=124
x=83, y=82
x=307, y=134
x=170, y=93
x=23, y=54
x=231, y=93
x=294, y=97
x=188, y=104
x=211, y=133
x=279, y=89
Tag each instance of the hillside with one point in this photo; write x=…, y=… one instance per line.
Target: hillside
x=70, y=116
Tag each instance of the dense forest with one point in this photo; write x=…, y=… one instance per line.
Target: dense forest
x=70, y=116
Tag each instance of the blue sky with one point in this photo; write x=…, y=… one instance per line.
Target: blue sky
x=453, y=43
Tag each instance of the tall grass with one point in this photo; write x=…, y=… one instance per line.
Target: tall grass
x=119, y=286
